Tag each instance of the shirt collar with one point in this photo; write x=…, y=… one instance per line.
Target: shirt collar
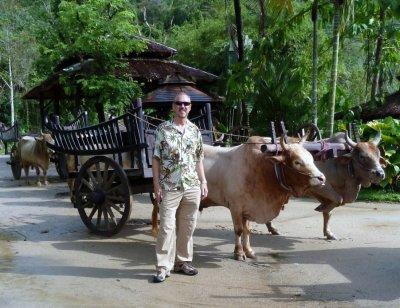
x=189, y=124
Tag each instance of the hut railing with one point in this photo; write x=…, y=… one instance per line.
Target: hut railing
x=10, y=134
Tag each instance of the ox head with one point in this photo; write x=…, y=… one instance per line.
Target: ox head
x=42, y=141
x=365, y=160
x=300, y=171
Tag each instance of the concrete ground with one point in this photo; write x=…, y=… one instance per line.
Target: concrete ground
x=48, y=258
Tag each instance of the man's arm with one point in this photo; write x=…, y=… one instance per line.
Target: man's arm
x=156, y=179
x=202, y=178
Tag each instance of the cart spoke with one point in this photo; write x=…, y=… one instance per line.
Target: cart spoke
x=115, y=207
x=110, y=212
x=106, y=219
x=98, y=172
x=87, y=184
x=94, y=210
x=110, y=181
x=105, y=174
x=116, y=189
x=98, y=218
x=92, y=177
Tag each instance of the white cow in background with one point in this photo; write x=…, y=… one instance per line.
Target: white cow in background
x=33, y=152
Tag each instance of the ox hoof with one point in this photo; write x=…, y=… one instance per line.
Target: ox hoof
x=39, y=184
x=251, y=254
x=239, y=256
x=330, y=236
x=320, y=208
x=46, y=183
x=274, y=231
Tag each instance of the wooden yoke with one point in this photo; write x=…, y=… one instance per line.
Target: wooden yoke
x=329, y=150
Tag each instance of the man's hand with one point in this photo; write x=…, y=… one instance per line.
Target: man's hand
x=204, y=190
x=158, y=194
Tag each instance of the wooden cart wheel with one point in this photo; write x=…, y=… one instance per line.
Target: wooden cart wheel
x=61, y=166
x=102, y=195
x=15, y=163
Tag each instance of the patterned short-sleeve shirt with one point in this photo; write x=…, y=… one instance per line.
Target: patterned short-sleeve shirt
x=178, y=154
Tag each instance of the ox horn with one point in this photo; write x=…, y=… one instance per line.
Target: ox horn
x=377, y=138
x=349, y=141
x=283, y=144
x=304, y=138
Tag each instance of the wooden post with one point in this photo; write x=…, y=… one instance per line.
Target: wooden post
x=56, y=106
x=100, y=112
x=41, y=108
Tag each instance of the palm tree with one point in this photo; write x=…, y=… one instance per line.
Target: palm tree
x=314, y=18
x=261, y=29
x=378, y=52
x=343, y=10
x=238, y=16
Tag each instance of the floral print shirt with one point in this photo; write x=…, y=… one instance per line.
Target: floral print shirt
x=178, y=153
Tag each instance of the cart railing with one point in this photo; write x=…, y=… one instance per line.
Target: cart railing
x=81, y=121
x=10, y=134
x=118, y=135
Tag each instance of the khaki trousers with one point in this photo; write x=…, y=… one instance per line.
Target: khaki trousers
x=178, y=215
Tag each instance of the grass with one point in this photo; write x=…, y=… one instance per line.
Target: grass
x=378, y=194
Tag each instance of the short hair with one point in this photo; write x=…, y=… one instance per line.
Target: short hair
x=181, y=94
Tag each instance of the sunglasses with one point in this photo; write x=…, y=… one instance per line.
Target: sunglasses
x=182, y=103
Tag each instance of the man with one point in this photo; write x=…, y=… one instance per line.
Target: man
x=179, y=183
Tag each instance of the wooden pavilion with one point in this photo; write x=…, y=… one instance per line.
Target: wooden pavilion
x=149, y=68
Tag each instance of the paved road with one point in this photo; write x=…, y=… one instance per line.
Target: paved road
x=48, y=258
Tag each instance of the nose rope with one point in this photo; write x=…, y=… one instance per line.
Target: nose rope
x=280, y=176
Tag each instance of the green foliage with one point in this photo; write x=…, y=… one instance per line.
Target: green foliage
x=17, y=49
x=102, y=30
x=390, y=147
x=378, y=195
x=276, y=78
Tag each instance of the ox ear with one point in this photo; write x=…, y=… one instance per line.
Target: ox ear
x=383, y=162
x=344, y=159
x=39, y=138
x=276, y=159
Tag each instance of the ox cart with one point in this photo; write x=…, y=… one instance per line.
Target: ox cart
x=112, y=161
x=12, y=135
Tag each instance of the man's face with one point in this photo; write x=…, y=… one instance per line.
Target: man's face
x=182, y=106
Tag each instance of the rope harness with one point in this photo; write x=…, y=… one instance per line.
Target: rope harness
x=280, y=176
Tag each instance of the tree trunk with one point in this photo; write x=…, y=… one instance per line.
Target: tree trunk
x=368, y=67
x=238, y=15
x=335, y=55
x=378, y=54
x=314, y=18
x=100, y=112
x=11, y=91
x=261, y=29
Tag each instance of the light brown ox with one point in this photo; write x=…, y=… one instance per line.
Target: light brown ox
x=344, y=177
x=33, y=152
x=242, y=178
